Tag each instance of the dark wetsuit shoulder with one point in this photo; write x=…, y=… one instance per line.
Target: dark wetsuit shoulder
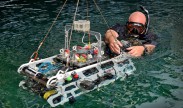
x=120, y=29
x=151, y=38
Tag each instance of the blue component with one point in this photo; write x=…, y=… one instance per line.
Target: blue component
x=45, y=67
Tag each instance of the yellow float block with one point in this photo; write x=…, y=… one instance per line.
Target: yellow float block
x=48, y=94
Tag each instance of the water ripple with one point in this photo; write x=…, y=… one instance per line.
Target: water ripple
x=158, y=81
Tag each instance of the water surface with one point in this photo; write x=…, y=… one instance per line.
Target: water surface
x=157, y=82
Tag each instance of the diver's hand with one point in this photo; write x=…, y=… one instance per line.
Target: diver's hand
x=114, y=45
x=136, y=51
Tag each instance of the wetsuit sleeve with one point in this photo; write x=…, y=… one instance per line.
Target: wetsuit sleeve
x=116, y=28
x=120, y=30
x=151, y=39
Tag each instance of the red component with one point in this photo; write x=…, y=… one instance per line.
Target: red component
x=95, y=51
x=67, y=50
x=87, y=47
x=79, y=47
x=77, y=56
x=75, y=76
x=84, y=55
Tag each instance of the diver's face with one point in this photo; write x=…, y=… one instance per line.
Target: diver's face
x=135, y=28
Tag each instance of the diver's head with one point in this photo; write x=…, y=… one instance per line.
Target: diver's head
x=137, y=17
x=136, y=23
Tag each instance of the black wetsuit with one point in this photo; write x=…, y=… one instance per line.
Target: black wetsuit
x=142, y=39
x=149, y=38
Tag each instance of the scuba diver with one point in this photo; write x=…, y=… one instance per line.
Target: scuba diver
x=133, y=38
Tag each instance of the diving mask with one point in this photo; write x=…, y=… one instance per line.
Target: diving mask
x=135, y=28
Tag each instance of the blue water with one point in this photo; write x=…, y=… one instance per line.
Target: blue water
x=157, y=82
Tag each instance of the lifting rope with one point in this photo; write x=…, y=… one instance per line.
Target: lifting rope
x=104, y=20
x=35, y=54
x=74, y=18
x=89, y=44
x=101, y=13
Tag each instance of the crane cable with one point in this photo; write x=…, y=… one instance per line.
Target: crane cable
x=101, y=13
x=35, y=54
x=89, y=35
x=74, y=18
x=115, y=38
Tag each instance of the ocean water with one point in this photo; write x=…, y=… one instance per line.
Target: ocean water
x=157, y=82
